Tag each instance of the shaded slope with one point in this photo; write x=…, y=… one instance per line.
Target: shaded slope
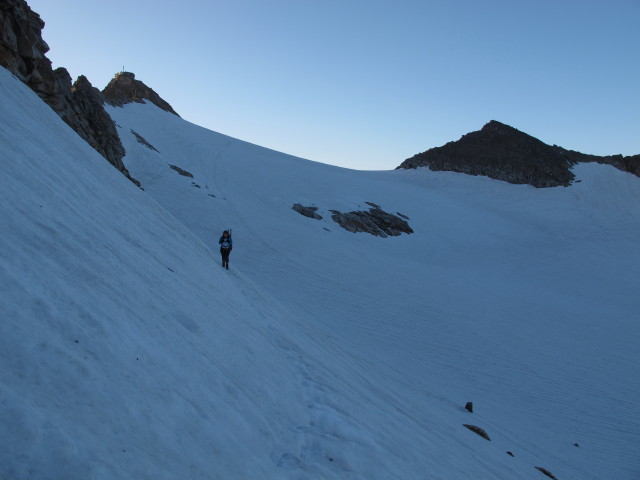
x=503, y=295
x=126, y=352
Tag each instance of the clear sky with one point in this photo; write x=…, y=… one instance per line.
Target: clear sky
x=367, y=83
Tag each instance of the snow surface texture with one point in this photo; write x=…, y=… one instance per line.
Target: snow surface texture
x=126, y=351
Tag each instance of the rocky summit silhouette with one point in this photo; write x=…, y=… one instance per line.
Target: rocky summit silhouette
x=124, y=88
x=504, y=153
x=80, y=105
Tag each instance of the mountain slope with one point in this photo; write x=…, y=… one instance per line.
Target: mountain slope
x=519, y=299
x=505, y=153
x=127, y=352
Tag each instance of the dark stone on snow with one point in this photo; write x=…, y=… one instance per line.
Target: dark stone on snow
x=307, y=211
x=469, y=407
x=547, y=473
x=375, y=222
x=510, y=454
x=477, y=430
x=402, y=216
x=141, y=140
x=182, y=172
x=505, y=153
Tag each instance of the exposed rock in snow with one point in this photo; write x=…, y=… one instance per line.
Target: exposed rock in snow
x=375, y=222
x=307, y=211
x=181, y=171
x=142, y=140
x=478, y=430
x=547, y=473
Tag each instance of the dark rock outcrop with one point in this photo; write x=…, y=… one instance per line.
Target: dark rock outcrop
x=478, y=430
x=143, y=141
x=181, y=171
x=547, y=473
x=22, y=49
x=22, y=52
x=375, y=222
x=307, y=211
x=124, y=88
x=505, y=153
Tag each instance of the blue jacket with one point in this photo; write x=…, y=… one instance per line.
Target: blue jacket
x=225, y=242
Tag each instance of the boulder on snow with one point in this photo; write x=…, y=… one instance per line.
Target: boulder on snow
x=306, y=211
x=477, y=430
x=469, y=407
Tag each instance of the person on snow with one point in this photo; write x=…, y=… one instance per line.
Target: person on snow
x=226, y=245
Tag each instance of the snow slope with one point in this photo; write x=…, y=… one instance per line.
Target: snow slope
x=127, y=352
x=523, y=300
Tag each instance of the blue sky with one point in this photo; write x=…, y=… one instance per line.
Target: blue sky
x=366, y=84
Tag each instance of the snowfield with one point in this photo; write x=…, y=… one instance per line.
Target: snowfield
x=126, y=351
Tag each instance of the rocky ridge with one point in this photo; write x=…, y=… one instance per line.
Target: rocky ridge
x=80, y=105
x=124, y=88
x=504, y=153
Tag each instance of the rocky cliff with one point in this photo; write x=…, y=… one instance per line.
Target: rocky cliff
x=124, y=88
x=505, y=153
x=22, y=52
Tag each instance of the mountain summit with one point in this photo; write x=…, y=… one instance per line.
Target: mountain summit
x=124, y=88
x=505, y=153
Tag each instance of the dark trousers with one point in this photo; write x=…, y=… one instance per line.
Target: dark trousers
x=225, y=256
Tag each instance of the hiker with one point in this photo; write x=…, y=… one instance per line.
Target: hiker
x=225, y=248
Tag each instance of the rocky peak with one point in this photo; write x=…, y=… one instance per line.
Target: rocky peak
x=22, y=52
x=124, y=88
x=505, y=153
